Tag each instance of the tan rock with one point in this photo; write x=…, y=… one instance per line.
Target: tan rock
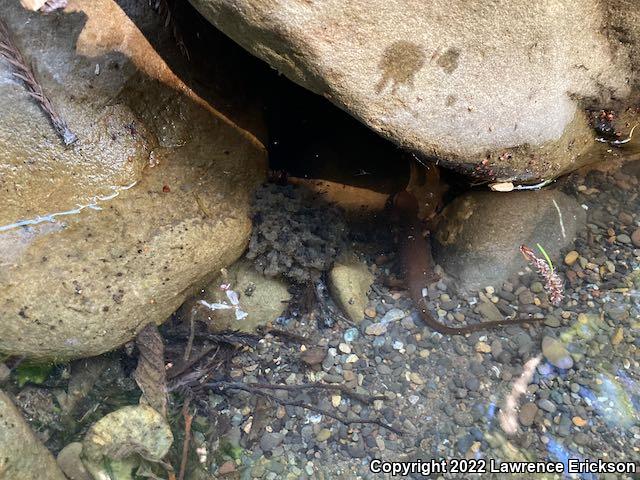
x=70, y=463
x=262, y=298
x=618, y=336
x=350, y=281
x=571, y=257
x=80, y=281
x=579, y=421
x=453, y=80
x=556, y=353
x=23, y=456
x=483, y=347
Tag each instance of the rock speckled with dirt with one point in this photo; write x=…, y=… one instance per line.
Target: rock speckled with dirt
x=496, y=90
x=101, y=238
x=22, y=454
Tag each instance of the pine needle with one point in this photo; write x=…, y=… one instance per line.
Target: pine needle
x=9, y=51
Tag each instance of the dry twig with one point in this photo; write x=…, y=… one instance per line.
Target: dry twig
x=23, y=71
x=252, y=389
x=233, y=337
x=276, y=332
x=321, y=386
x=188, y=418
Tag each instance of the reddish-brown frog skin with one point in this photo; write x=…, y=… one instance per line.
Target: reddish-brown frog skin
x=417, y=263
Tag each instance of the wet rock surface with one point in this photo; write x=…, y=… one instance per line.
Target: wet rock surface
x=71, y=464
x=493, y=91
x=120, y=441
x=262, y=299
x=23, y=454
x=98, y=239
x=350, y=282
x=478, y=237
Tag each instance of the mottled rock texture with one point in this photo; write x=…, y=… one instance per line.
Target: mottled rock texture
x=503, y=81
x=22, y=455
x=85, y=282
x=478, y=239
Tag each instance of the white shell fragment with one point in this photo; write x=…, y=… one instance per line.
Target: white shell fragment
x=501, y=186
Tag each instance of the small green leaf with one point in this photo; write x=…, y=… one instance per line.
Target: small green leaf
x=546, y=256
x=33, y=373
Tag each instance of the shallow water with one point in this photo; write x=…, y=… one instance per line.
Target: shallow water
x=489, y=396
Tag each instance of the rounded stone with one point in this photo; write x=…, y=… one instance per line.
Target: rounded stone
x=442, y=101
x=98, y=242
x=556, y=353
x=71, y=464
x=527, y=414
x=478, y=238
x=571, y=257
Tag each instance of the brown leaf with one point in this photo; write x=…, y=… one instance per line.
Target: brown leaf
x=150, y=373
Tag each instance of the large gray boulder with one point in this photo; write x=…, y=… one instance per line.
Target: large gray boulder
x=494, y=89
x=98, y=239
x=478, y=239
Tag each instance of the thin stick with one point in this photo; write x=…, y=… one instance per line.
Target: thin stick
x=23, y=71
x=323, y=386
x=256, y=391
x=284, y=334
x=188, y=418
x=192, y=332
x=232, y=337
x=177, y=370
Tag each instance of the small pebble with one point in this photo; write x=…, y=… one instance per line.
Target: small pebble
x=618, y=336
x=527, y=414
x=552, y=321
x=323, y=435
x=376, y=329
x=370, y=312
x=351, y=335
x=555, y=353
x=623, y=238
x=393, y=315
x=571, y=257
x=5, y=373
x=547, y=405
x=579, y=421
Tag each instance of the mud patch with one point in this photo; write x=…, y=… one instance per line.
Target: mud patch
x=448, y=61
x=399, y=64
